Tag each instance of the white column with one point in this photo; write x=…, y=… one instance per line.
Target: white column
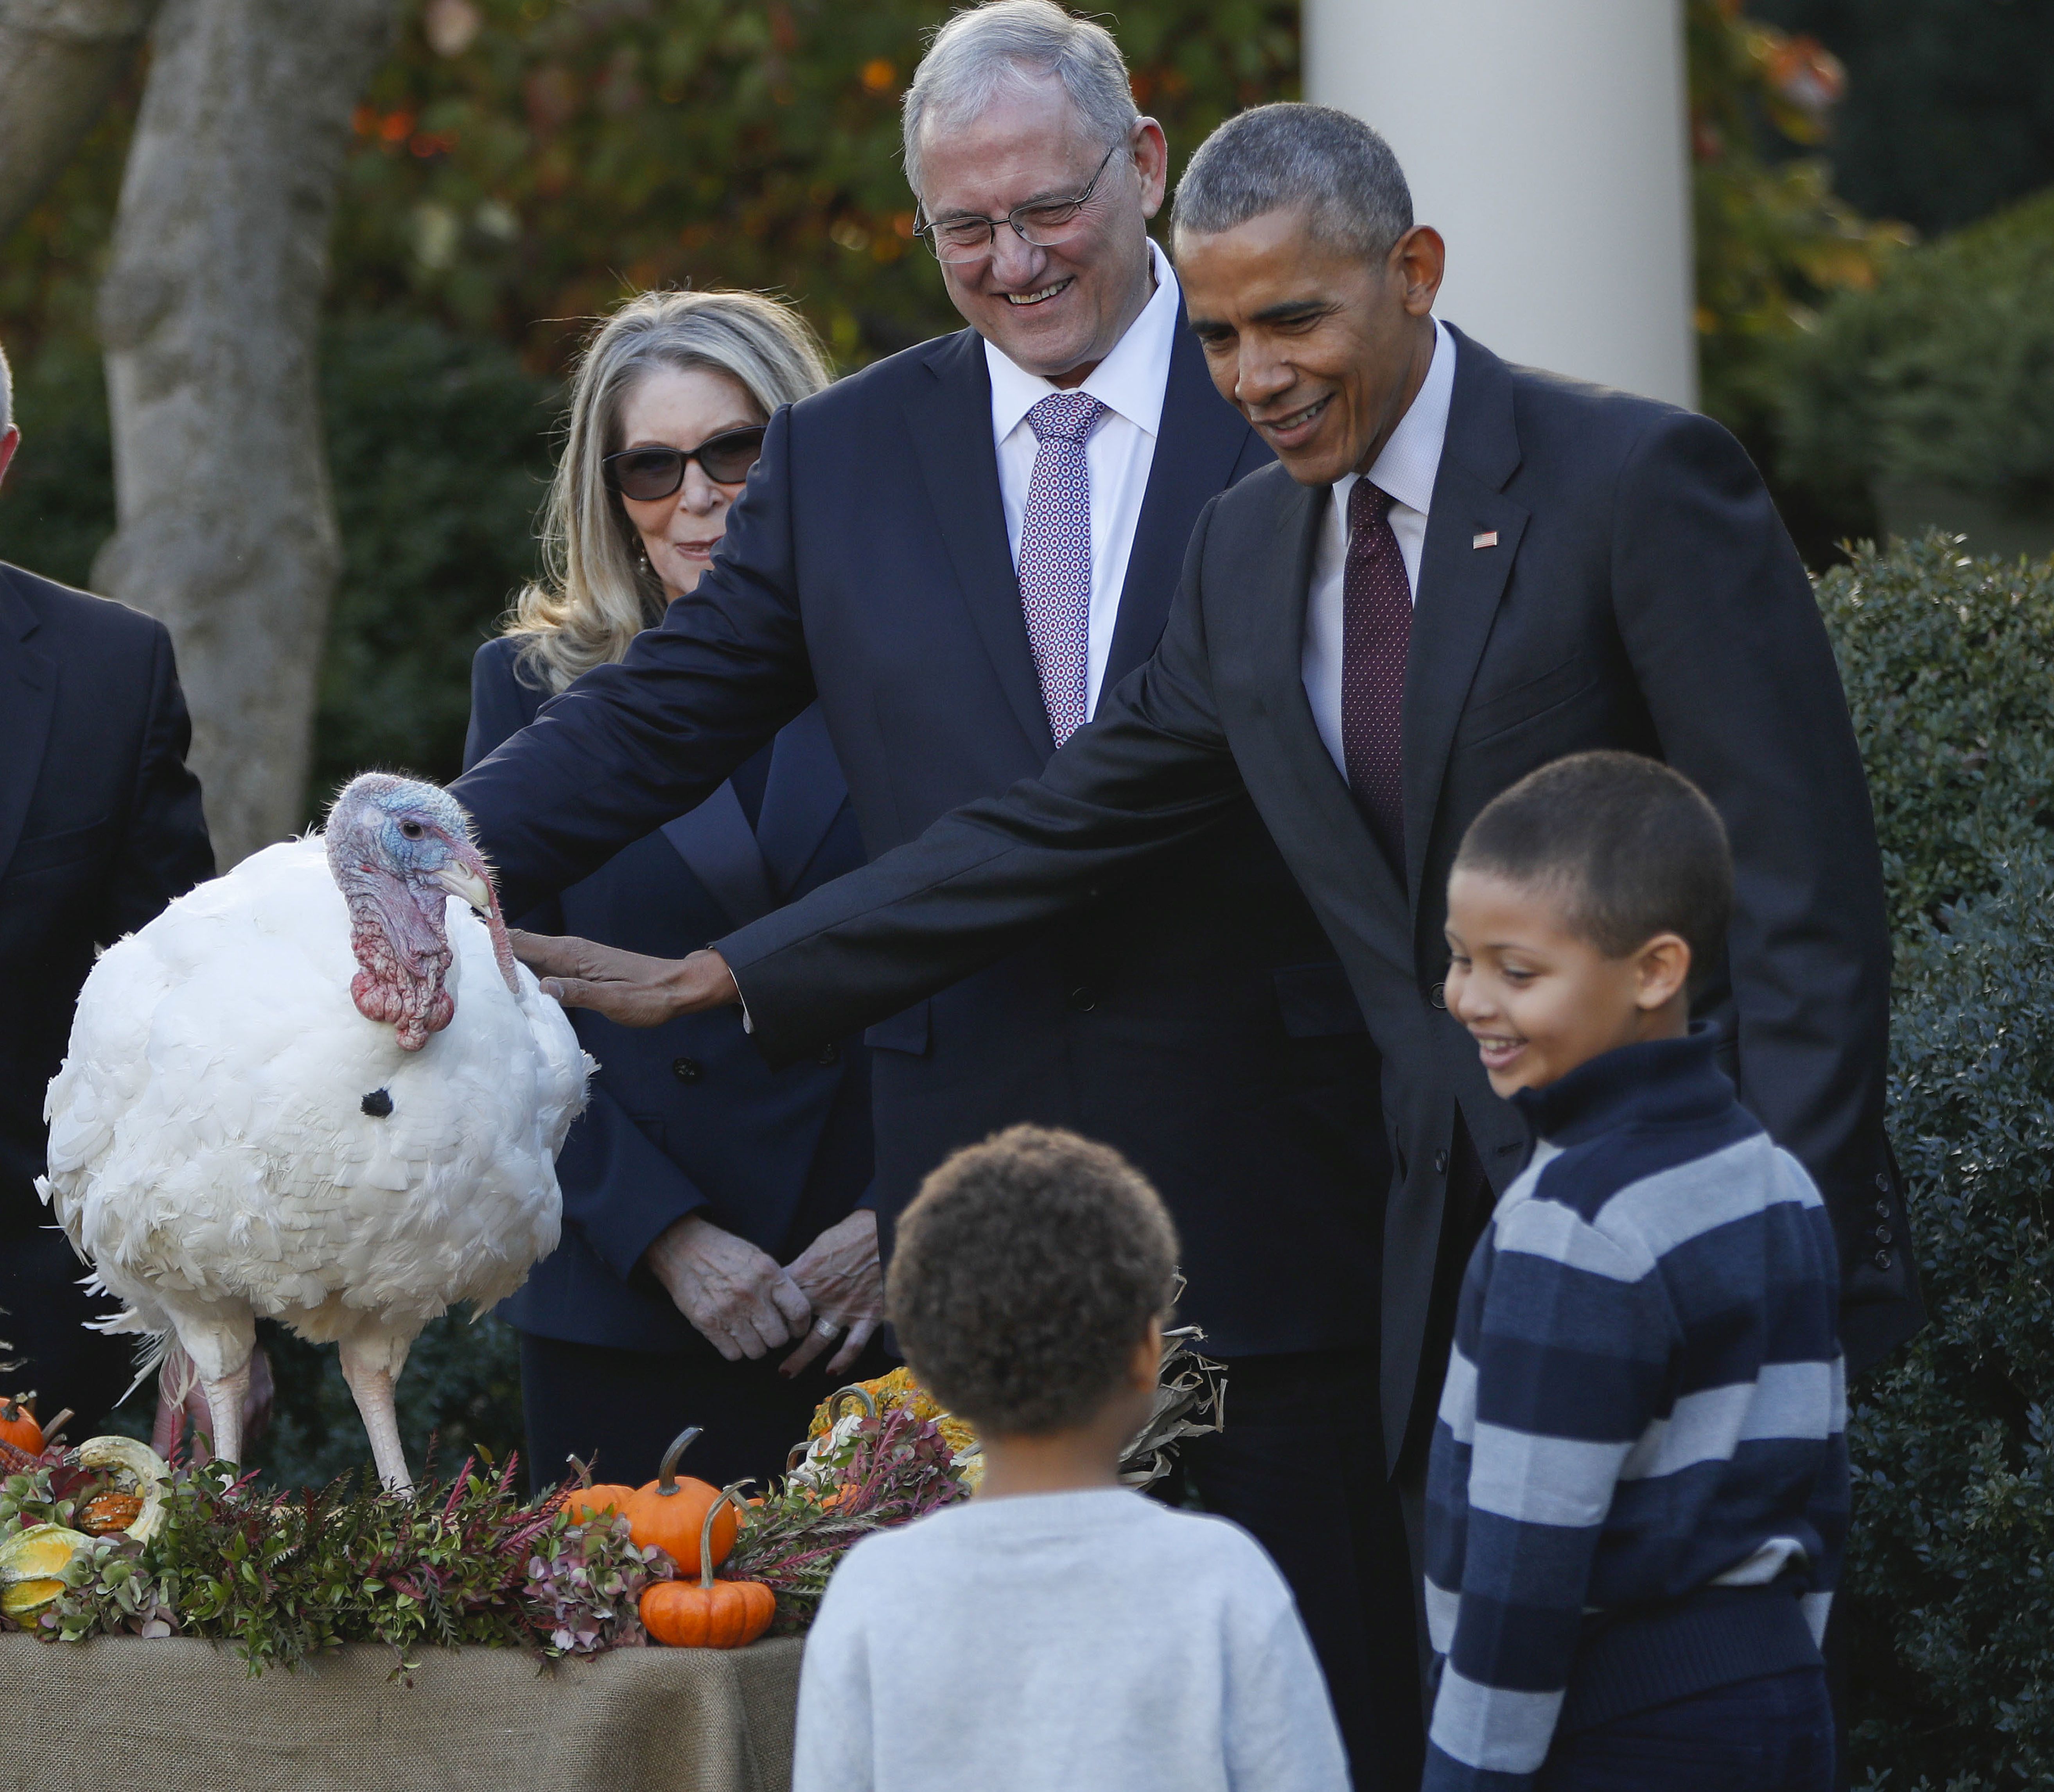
x=1546, y=140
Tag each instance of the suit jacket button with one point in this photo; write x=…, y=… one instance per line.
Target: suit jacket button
x=1084, y=998
x=1882, y=1180
x=830, y=1053
x=1883, y=1235
x=1882, y=1259
x=1441, y=1163
x=1883, y=1210
x=687, y=1070
x=1438, y=995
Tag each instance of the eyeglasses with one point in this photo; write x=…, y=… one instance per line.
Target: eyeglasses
x=1042, y=223
x=646, y=474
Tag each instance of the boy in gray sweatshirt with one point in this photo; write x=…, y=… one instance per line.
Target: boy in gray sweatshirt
x=1059, y=1632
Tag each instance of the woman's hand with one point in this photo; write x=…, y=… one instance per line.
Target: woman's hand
x=842, y=1276
x=738, y=1297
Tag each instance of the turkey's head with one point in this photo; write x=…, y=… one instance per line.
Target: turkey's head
x=399, y=850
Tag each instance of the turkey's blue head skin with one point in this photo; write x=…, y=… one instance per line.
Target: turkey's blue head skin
x=398, y=850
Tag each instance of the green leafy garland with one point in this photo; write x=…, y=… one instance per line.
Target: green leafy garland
x=286, y=1576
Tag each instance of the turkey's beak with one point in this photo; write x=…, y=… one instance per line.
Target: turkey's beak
x=467, y=885
x=465, y=879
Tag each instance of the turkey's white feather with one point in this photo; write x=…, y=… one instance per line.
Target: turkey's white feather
x=209, y=1145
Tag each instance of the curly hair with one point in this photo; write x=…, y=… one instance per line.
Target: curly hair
x=1024, y=1274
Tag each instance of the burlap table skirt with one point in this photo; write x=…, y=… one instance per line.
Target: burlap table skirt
x=122, y=1714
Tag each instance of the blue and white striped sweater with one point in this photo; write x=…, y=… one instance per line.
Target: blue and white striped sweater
x=1639, y=1484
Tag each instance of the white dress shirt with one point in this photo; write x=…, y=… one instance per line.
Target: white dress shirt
x=1406, y=470
x=1130, y=383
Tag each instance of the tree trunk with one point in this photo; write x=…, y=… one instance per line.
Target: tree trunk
x=59, y=59
x=208, y=314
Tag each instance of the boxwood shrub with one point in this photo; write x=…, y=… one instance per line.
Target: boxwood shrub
x=1948, y=664
x=1941, y=374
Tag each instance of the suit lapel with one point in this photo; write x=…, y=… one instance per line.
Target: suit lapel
x=802, y=796
x=718, y=848
x=1198, y=442
x=28, y=699
x=1460, y=582
x=951, y=423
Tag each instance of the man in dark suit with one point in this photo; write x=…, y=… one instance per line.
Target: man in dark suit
x=1460, y=571
x=100, y=827
x=955, y=550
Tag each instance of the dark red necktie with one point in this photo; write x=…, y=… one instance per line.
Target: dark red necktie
x=1376, y=628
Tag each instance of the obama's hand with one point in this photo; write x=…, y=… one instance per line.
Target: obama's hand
x=625, y=986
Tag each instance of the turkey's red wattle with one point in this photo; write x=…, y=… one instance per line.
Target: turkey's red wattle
x=403, y=952
x=412, y=999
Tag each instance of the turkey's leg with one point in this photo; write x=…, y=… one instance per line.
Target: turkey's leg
x=371, y=1363
x=219, y=1340
x=224, y=1400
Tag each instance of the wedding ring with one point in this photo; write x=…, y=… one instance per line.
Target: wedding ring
x=829, y=1330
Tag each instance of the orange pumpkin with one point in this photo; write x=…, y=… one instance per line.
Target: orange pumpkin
x=672, y=1515
x=589, y=1497
x=601, y=1496
x=17, y=1424
x=712, y=1614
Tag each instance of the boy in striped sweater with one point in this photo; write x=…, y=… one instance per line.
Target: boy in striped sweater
x=1637, y=1491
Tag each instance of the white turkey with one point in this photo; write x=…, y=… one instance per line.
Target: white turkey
x=318, y=1090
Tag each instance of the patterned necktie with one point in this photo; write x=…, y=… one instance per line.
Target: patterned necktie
x=1055, y=555
x=1376, y=629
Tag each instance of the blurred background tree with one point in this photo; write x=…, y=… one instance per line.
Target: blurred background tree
x=1773, y=240
x=1949, y=112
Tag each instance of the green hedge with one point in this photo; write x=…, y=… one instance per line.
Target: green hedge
x=1949, y=668
x=1942, y=374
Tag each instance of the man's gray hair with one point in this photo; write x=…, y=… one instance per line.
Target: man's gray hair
x=984, y=51
x=6, y=393
x=1327, y=162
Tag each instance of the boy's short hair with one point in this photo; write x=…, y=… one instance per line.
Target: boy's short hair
x=1631, y=846
x=1024, y=1275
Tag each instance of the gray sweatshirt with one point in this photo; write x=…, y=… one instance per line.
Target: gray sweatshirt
x=1063, y=1642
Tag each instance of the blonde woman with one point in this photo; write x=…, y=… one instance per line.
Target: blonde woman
x=707, y=1199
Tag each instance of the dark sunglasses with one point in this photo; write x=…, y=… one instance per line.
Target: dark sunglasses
x=646, y=474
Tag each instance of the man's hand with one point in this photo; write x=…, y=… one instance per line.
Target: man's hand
x=840, y=1274
x=736, y=1296
x=625, y=986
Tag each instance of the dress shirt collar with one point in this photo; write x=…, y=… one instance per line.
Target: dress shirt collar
x=1412, y=458
x=1131, y=380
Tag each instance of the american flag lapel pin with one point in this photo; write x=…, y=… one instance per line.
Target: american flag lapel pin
x=1484, y=538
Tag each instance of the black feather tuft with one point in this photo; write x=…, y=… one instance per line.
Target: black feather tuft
x=378, y=1104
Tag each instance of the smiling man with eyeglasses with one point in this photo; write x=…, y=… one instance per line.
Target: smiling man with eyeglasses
x=961, y=550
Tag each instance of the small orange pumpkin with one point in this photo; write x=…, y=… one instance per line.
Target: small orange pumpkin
x=589, y=1497
x=17, y=1424
x=672, y=1514
x=601, y=1496
x=713, y=1614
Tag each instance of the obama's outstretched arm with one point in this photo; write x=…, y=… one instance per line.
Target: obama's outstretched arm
x=1149, y=772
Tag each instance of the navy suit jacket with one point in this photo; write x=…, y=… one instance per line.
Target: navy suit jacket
x=1198, y=1019
x=687, y=1117
x=1600, y=571
x=100, y=827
